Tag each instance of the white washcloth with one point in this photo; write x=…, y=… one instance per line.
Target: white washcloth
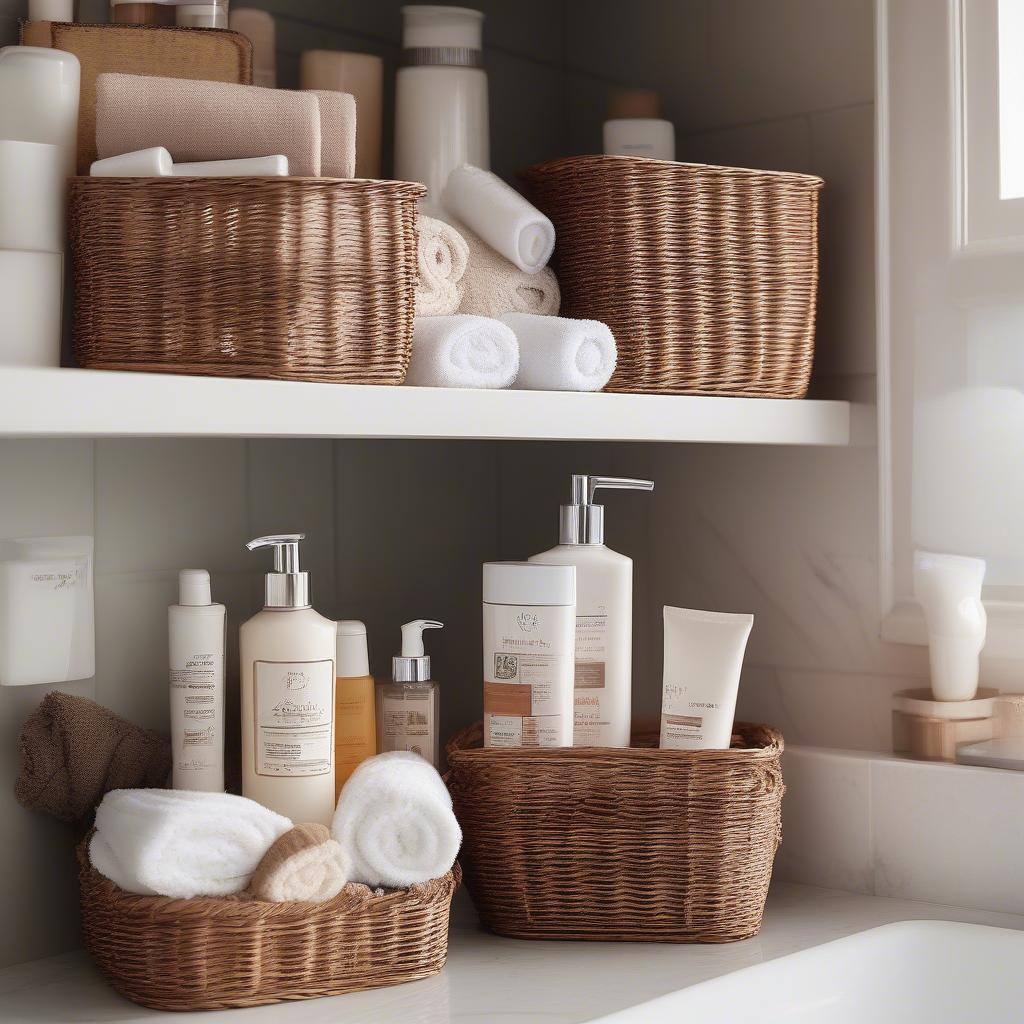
x=441, y=259
x=181, y=843
x=500, y=216
x=559, y=354
x=395, y=822
x=462, y=352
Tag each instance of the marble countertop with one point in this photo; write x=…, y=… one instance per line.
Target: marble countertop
x=489, y=979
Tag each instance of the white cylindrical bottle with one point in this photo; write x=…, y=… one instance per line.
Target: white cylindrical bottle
x=196, y=631
x=604, y=615
x=441, y=116
x=529, y=631
x=287, y=655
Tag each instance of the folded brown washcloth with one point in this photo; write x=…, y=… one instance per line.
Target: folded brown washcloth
x=73, y=751
x=303, y=864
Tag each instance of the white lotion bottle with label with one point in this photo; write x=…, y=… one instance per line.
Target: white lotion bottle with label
x=287, y=655
x=604, y=614
x=195, y=630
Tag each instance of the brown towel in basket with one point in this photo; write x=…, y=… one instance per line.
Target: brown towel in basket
x=303, y=864
x=208, y=120
x=73, y=751
x=493, y=286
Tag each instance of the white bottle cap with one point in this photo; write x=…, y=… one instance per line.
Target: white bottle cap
x=353, y=662
x=529, y=583
x=428, y=25
x=194, y=587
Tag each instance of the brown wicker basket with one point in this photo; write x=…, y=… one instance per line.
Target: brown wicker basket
x=706, y=275
x=287, y=278
x=630, y=844
x=204, y=953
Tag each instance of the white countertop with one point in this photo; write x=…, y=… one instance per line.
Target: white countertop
x=489, y=979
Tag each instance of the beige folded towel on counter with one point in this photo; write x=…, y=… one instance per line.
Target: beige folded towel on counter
x=441, y=260
x=211, y=121
x=303, y=864
x=493, y=286
x=337, y=133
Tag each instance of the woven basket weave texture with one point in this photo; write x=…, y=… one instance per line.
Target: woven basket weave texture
x=287, y=278
x=706, y=275
x=206, y=953
x=619, y=844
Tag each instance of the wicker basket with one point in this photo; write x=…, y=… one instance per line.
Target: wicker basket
x=706, y=275
x=619, y=844
x=204, y=953
x=286, y=278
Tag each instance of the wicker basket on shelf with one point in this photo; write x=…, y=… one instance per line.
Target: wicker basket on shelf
x=636, y=844
x=706, y=275
x=206, y=953
x=288, y=278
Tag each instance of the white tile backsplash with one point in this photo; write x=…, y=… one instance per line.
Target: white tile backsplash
x=826, y=821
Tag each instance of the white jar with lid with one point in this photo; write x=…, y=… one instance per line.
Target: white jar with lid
x=529, y=654
x=441, y=117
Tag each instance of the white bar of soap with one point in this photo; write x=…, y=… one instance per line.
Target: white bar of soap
x=143, y=163
x=254, y=167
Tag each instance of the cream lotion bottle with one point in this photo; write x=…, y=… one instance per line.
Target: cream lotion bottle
x=195, y=629
x=604, y=615
x=288, y=679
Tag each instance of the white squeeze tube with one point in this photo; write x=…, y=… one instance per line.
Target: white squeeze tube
x=196, y=633
x=703, y=659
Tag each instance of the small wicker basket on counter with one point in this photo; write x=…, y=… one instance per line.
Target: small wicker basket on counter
x=635, y=844
x=706, y=275
x=288, y=278
x=206, y=953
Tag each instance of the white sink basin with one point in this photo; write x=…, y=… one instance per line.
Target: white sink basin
x=913, y=972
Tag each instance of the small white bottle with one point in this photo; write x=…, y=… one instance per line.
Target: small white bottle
x=287, y=654
x=635, y=126
x=196, y=631
x=604, y=614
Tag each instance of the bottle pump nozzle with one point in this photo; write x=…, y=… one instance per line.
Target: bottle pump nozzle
x=412, y=665
x=582, y=522
x=287, y=586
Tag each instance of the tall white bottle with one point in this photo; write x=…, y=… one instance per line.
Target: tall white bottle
x=195, y=629
x=604, y=615
x=287, y=654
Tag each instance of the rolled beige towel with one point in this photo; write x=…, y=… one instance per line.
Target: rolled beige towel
x=441, y=259
x=493, y=286
x=303, y=864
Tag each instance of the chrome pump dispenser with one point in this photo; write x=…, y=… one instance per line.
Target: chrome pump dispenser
x=582, y=522
x=287, y=586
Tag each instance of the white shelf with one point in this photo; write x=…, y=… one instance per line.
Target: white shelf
x=69, y=403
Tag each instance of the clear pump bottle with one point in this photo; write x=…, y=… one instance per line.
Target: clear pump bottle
x=287, y=655
x=604, y=614
x=407, y=707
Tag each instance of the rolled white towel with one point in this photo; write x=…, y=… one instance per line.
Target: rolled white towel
x=395, y=822
x=559, y=354
x=181, y=843
x=500, y=216
x=441, y=259
x=462, y=351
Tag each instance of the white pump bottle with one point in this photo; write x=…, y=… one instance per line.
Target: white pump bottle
x=604, y=615
x=287, y=655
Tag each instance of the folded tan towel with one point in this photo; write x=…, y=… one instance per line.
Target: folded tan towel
x=208, y=120
x=74, y=751
x=441, y=259
x=493, y=286
x=303, y=864
x=337, y=134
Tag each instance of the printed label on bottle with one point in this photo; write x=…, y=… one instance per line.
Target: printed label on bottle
x=526, y=677
x=684, y=721
x=591, y=655
x=294, y=704
x=408, y=722
x=195, y=702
